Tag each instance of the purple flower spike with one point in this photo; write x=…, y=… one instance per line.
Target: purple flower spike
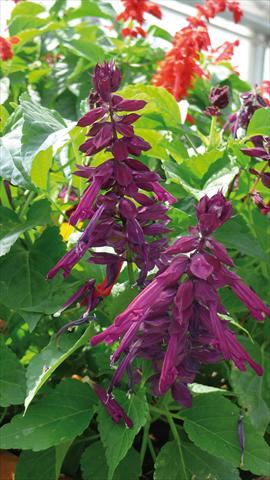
x=219, y=96
x=176, y=321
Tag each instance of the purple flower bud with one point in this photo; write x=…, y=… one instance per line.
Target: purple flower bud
x=106, y=79
x=219, y=96
x=200, y=267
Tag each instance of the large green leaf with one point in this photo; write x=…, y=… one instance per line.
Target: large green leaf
x=42, y=129
x=259, y=123
x=57, y=418
x=116, y=438
x=161, y=105
x=212, y=423
x=94, y=465
x=197, y=464
x=12, y=378
x=42, y=366
x=250, y=389
x=11, y=167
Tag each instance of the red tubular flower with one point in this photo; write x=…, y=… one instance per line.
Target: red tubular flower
x=177, y=71
x=224, y=52
x=6, y=52
x=134, y=11
x=265, y=91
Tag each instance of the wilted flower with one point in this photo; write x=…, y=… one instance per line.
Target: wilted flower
x=176, y=321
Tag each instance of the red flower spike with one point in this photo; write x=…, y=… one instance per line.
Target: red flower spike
x=181, y=65
x=134, y=11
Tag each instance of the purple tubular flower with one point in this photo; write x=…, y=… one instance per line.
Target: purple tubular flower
x=176, y=321
x=112, y=406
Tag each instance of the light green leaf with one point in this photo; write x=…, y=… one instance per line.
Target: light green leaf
x=259, y=123
x=12, y=378
x=57, y=418
x=40, y=168
x=211, y=424
x=116, y=438
x=198, y=464
x=90, y=8
x=3, y=117
x=42, y=366
x=27, y=8
x=24, y=22
x=94, y=465
x=161, y=105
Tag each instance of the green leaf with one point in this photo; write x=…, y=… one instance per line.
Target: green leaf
x=11, y=167
x=250, y=389
x=3, y=117
x=211, y=424
x=158, y=100
x=36, y=465
x=42, y=366
x=42, y=129
x=236, y=234
x=94, y=465
x=90, y=8
x=160, y=33
x=12, y=227
x=116, y=438
x=57, y=418
x=29, y=268
x=40, y=168
x=21, y=23
x=43, y=465
x=27, y=8
x=89, y=50
x=259, y=123
x=198, y=464
x=12, y=378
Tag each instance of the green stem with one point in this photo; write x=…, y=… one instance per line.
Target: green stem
x=3, y=415
x=130, y=269
x=191, y=143
x=26, y=205
x=177, y=440
x=152, y=450
x=212, y=137
x=144, y=441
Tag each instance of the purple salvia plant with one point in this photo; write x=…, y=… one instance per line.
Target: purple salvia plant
x=124, y=207
x=251, y=101
x=176, y=321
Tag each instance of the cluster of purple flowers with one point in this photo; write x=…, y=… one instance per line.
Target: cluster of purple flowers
x=125, y=205
x=176, y=321
x=219, y=99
